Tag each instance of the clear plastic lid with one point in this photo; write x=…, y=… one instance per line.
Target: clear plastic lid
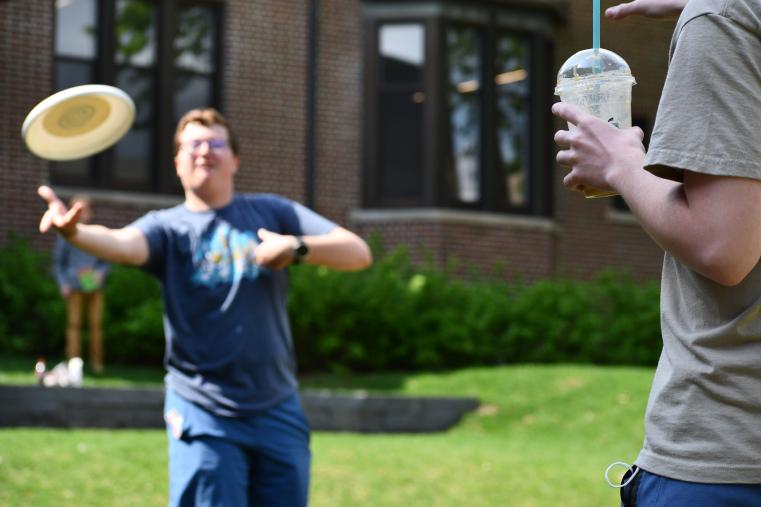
x=591, y=64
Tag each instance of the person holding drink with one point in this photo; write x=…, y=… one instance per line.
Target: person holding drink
x=697, y=193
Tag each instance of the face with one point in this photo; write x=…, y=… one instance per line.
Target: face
x=205, y=162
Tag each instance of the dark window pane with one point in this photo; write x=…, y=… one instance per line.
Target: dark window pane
x=400, y=145
x=194, y=48
x=191, y=91
x=133, y=160
x=72, y=73
x=71, y=171
x=136, y=33
x=75, y=28
x=513, y=84
x=402, y=52
x=465, y=69
x=194, y=43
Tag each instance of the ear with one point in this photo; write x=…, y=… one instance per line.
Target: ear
x=236, y=163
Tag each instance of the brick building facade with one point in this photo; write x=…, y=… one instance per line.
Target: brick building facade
x=292, y=77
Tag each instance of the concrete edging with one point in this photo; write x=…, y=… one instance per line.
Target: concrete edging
x=89, y=407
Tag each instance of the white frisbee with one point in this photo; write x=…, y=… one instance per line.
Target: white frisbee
x=78, y=122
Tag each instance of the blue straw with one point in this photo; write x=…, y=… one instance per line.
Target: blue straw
x=596, y=25
x=596, y=31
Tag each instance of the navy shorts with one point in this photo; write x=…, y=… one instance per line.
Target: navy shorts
x=651, y=490
x=223, y=461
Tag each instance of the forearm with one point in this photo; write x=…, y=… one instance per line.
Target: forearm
x=340, y=249
x=712, y=238
x=124, y=246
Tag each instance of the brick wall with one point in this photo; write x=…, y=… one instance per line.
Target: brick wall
x=25, y=78
x=264, y=91
x=265, y=84
x=339, y=139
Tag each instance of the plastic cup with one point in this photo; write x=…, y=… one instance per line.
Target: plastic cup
x=600, y=82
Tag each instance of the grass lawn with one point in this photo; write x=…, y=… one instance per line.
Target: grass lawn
x=542, y=437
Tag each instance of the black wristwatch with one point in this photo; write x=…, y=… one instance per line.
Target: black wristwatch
x=300, y=250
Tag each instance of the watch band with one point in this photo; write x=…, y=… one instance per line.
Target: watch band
x=300, y=250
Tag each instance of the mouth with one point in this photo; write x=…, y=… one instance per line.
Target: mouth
x=206, y=166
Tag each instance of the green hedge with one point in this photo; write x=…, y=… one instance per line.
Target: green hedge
x=394, y=315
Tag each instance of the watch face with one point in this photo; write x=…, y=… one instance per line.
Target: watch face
x=301, y=249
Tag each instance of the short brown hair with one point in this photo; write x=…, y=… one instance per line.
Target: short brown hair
x=207, y=117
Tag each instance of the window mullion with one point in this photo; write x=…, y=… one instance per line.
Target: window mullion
x=163, y=176
x=489, y=183
x=105, y=73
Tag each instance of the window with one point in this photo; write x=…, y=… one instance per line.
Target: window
x=457, y=107
x=402, y=60
x=127, y=43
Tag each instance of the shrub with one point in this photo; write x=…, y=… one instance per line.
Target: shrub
x=32, y=313
x=395, y=315
x=133, y=323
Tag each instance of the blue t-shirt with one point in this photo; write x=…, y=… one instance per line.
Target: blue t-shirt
x=228, y=337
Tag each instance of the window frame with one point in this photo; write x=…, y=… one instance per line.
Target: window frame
x=532, y=25
x=162, y=178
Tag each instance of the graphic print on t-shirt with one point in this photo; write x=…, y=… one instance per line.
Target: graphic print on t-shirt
x=225, y=256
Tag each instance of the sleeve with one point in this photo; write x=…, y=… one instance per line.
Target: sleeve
x=299, y=220
x=709, y=118
x=152, y=228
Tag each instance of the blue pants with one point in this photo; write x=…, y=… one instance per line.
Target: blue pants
x=260, y=460
x=651, y=490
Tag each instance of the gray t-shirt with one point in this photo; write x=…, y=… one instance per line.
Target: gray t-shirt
x=703, y=420
x=228, y=338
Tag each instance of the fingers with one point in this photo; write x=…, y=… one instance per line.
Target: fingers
x=570, y=182
x=72, y=217
x=622, y=10
x=640, y=133
x=563, y=138
x=570, y=113
x=46, y=221
x=47, y=194
x=265, y=234
x=566, y=158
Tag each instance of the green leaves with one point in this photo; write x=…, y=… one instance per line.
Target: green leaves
x=396, y=315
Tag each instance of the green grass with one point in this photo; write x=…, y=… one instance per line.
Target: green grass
x=542, y=437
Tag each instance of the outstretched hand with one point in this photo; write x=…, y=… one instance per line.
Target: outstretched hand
x=658, y=9
x=275, y=250
x=57, y=216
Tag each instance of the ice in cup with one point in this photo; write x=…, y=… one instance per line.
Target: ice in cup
x=600, y=82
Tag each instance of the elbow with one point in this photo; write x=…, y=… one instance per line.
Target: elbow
x=364, y=259
x=727, y=269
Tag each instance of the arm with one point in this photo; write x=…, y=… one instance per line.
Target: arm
x=659, y=9
x=710, y=223
x=126, y=245
x=339, y=249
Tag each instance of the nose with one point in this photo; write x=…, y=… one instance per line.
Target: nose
x=204, y=148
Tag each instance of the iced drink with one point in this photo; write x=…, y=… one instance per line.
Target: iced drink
x=601, y=83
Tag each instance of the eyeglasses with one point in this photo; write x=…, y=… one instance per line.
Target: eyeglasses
x=214, y=145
